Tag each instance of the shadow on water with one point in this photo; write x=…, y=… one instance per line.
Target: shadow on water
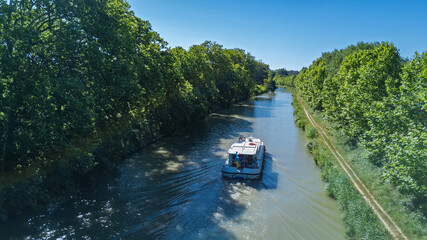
x=265, y=97
x=172, y=189
x=195, y=199
x=184, y=195
x=270, y=178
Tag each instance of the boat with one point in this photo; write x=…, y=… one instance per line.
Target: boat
x=245, y=159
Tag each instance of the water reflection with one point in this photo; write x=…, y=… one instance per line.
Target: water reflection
x=173, y=188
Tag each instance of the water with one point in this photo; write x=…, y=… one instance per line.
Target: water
x=173, y=189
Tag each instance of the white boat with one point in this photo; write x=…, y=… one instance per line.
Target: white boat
x=245, y=159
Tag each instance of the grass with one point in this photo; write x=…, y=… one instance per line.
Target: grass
x=399, y=206
x=359, y=219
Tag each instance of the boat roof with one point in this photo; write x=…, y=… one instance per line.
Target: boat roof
x=245, y=148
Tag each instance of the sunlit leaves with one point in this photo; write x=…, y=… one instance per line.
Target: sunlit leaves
x=85, y=82
x=378, y=102
x=310, y=82
x=397, y=137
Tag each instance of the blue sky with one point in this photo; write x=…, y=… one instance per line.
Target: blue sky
x=288, y=34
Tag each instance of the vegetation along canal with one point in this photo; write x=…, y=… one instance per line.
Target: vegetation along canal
x=173, y=189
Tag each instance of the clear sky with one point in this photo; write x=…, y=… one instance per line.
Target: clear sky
x=288, y=34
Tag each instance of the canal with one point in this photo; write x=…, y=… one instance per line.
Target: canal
x=173, y=189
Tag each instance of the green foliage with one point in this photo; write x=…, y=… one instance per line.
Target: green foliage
x=378, y=100
x=262, y=71
x=287, y=81
x=269, y=83
x=260, y=89
x=283, y=77
x=373, y=98
x=334, y=59
x=285, y=73
x=358, y=217
x=365, y=77
x=310, y=83
x=311, y=132
x=299, y=115
x=315, y=83
x=397, y=137
x=84, y=83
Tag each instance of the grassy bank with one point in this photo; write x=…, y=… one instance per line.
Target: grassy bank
x=359, y=218
x=94, y=84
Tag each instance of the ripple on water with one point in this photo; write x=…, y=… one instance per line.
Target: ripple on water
x=173, y=189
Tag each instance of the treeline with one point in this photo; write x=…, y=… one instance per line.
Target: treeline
x=86, y=82
x=379, y=101
x=283, y=77
x=359, y=218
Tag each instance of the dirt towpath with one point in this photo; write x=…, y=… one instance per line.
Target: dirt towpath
x=385, y=219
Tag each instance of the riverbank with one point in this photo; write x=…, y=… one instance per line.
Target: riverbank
x=27, y=191
x=89, y=87
x=380, y=212
x=173, y=189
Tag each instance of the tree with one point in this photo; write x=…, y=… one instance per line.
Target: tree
x=366, y=76
x=397, y=138
x=310, y=83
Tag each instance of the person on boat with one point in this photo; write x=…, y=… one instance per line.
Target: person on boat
x=238, y=163
x=250, y=161
x=245, y=161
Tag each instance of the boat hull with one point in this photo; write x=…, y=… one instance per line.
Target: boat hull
x=241, y=175
x=246, y=173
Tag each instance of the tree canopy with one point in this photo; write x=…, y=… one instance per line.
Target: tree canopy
x=85, y=82
x=379, y=102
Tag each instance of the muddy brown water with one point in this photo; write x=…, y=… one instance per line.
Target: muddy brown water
x=173, y=189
